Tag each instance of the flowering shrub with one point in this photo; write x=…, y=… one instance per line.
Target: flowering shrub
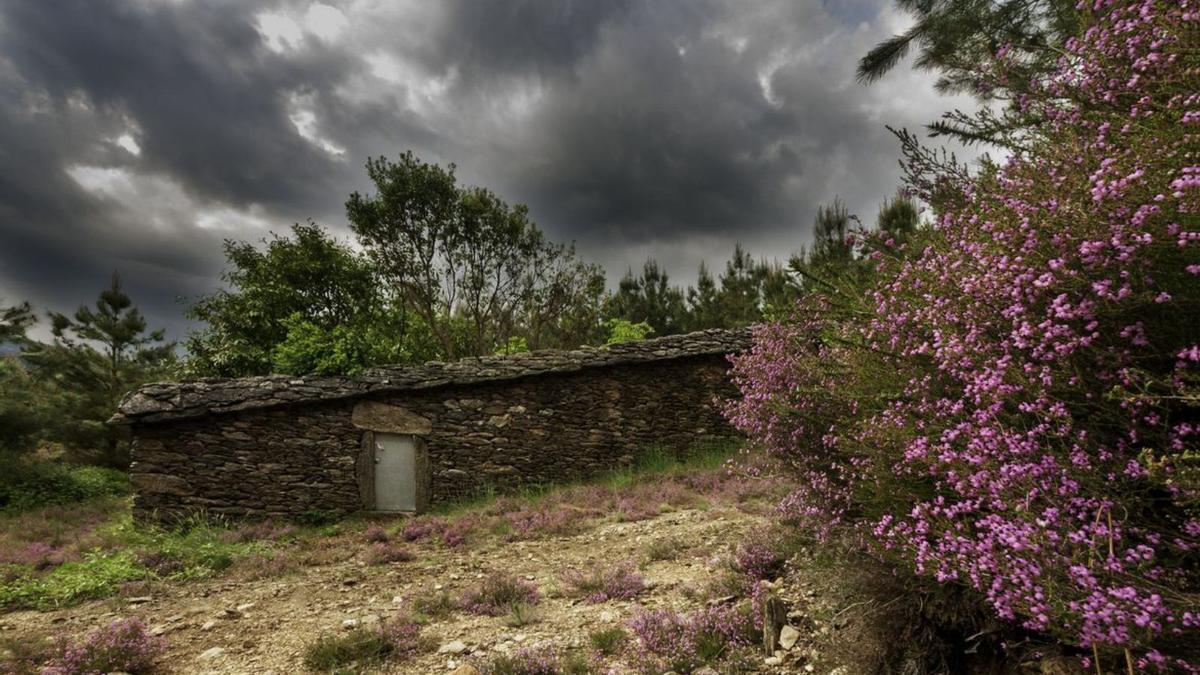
x=383, y=553
x=535, y=661
x=422, y=528
x=545, y=520
x=375, y=535
x=669, y=641
x=619, y=582
x=497, y=593
x=757, y=556
x=121, y=646
x=38, y=555
x=1011, y=404
x=258, y=531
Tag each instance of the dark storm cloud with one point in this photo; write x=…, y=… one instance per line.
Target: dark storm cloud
x=135, y=135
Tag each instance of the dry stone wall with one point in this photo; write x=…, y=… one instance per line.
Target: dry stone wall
x=308, y=453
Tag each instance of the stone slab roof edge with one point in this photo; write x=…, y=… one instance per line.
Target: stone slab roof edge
x=168, y=401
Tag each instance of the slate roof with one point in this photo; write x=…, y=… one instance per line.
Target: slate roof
x=167, y=401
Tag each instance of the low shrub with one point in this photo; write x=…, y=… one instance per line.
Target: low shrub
x=422, y=528
x=619, y=582
x=669, y=641
x=536, y=661
x=761, y=555
x=260, y=531
x=364, y=646
x=384, y=553
x=121, y=646
x=375, y=535
x=521, y=614
x=663, y=549
x=497, y=594
x=432, y=605
x=543, y=520
x=29, y=484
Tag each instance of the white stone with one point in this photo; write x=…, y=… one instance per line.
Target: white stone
x=455, y=647
x=212, y=653
x=788, y=637
x=350, y=623
x=208, y=625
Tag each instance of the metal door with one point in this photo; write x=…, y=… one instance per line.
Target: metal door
x=395, y=473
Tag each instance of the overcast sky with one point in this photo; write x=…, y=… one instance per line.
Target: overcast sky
x=136, y=135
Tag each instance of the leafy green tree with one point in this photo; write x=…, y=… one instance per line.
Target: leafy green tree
x=624, y=330
x=648, y=298
x=458, y=255
x=308, y=283
x=563, y=300
x=98, y=354
x=309, y=348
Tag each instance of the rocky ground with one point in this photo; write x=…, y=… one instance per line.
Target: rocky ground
x=238, y=625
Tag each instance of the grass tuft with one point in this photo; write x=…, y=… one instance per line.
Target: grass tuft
x=609, y=641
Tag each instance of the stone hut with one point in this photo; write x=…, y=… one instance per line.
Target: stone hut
x=403, y=438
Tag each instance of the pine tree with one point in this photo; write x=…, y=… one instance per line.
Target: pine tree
x=98, y=354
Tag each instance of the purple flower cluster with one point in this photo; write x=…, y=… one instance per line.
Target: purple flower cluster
x=401, y=635
x=1012, y=407
x=669, y=641
x=382, y=553
x=450, y=533
x=38, y=555
x=526, y=661
x=545, y=520
x=618, y=582
x=121, y=646
x=757, y=558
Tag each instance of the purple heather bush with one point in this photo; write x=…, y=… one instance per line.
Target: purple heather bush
x=618, y=582
x=422, y=528
x=1011, y=403
x=758, y=556
x=546, y=519
x=665, y=640
x=375, y=534
x=382, y=553
x=529, y=661
x=121, y=646
x=497, y=593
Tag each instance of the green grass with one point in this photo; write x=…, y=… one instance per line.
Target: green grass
x=432, y=606
x=609, y=641
x=663, y=549
x=111, y=553
x=359, y=647
x=105, y=549
x=654, y=461
x=95, y=576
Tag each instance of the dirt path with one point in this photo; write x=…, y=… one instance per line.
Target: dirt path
x=227, y=626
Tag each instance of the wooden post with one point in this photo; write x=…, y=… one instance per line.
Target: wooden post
x=774, y=618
